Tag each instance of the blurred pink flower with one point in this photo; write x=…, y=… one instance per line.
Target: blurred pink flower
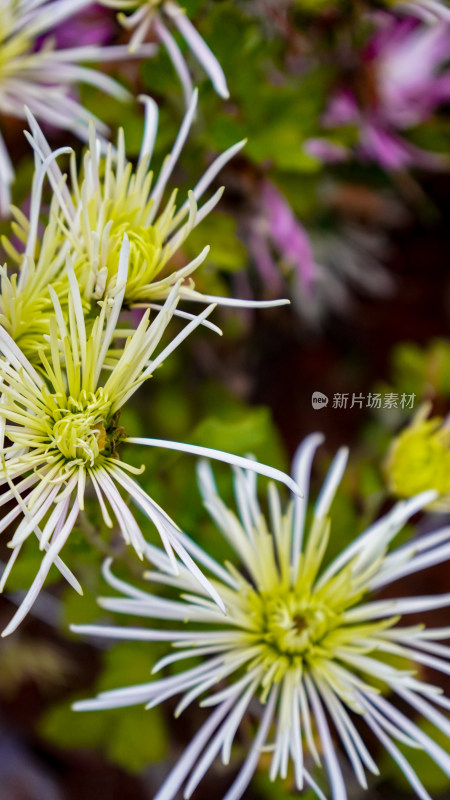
x=286, y=235
x=322, y=273
x=326, y=151
x=406, y=80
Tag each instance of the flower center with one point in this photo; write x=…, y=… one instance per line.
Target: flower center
x=145, y=249
x=145, y=256
x=289, y=630
x=292, y=625
x=83, y=430
x=79, y=437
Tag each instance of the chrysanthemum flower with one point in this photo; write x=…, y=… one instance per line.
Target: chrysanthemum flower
x=112, y=198
x=151, y=15
x=42, y=77
x=303, y=643
x=60, y=429
x=109, y=200
x=419, y=459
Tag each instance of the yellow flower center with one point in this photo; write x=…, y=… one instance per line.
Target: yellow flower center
x=126, y=215
x=290, y=630
x=145, y=251
x=81, y=431
x=292, y=625
x=79, y=437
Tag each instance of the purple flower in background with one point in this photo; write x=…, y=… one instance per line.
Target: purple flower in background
x=326, y=151
x=281, y=231
x=402, y=81
x=93, y=25
x=320, y=272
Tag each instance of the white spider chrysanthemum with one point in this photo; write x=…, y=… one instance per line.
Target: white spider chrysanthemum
x=112, y=198
x=430, y=11
x=150, y=15
x=302, y=644
x=60, y=429
x=43, y=77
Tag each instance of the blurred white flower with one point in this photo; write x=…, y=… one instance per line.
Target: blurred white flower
x=35, y=73
x=151, y=15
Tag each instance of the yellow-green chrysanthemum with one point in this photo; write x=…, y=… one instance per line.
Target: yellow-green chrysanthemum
x=419, y=459
x=112, y=198
x=303, y=641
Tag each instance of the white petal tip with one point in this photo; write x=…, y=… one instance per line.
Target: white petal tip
x=82, y=705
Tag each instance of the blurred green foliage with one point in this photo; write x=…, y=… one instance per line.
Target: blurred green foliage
x=131, y=737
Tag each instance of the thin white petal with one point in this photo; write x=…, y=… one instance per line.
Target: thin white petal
x=220, y=455
x=246, y=773
x=336, y=779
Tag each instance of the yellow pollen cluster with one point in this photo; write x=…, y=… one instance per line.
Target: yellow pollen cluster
x=290, y=625
x=77, y=439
